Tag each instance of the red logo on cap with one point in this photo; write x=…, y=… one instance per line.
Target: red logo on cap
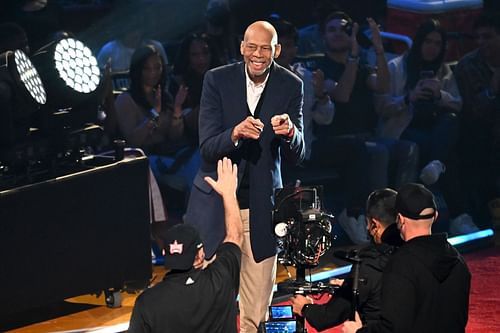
x=175, y=248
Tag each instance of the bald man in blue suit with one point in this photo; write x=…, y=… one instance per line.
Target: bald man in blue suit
x=250, y=112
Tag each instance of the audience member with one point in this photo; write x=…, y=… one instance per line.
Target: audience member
x=381, y=226
x=251, y=112
x=311, y=42
x=192, y=299
x=221, y=28
x=351, y=83
x=426, y=283
x=422, y=107
x=311, y=36
x=148, y=118
x=194, y=58
x=318, y=106
x=118, y=52
x=478, y=78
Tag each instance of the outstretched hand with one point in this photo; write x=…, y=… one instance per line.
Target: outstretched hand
x=227, y=178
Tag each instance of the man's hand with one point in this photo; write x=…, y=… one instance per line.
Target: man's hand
x=282, y=125
x=337, y=282
x=378, y=46
x=352, y=326
x=227, y=178
x=250, y=128
x=298, y=302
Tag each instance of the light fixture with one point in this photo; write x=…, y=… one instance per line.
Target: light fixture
x=21, y=95
x=17, y=67
x=69, y=71
x=76, y=65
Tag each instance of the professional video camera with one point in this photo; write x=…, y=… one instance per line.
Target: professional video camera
x=302, y=227
x=303, y=231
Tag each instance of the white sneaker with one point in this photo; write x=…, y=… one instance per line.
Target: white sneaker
x=431, y=172
x=354, y=228
x=461, y=225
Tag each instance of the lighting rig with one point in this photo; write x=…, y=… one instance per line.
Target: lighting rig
x=48, y=111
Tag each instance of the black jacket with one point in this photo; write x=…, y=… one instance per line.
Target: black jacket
x=374, y=258
x=425, y=289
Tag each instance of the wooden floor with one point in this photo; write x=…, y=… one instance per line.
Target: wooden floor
x=97, y=316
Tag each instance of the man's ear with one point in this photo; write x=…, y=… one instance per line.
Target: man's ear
x=242, y=47
x=277, y=51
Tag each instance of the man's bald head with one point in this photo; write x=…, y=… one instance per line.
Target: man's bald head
x=262, y=27
x=258, y=48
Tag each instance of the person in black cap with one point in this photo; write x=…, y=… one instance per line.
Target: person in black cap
x=381, y=226
x=190, y=298
x=425, y=285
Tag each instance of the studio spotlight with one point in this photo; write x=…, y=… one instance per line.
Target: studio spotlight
x=69, y=71
x=23, y=75
x=21, y=94
x=76, y=65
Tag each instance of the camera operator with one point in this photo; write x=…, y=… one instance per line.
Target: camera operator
x=380, y=223
x=426, y=283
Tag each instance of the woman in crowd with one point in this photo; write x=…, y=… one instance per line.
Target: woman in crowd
x=422, y=107
x=195, y=57
x=149, y=118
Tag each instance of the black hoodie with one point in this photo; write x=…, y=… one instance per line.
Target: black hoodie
x=425, y=288
x=374, y=258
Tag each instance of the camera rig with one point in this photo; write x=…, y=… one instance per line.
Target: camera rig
x=303, y=232
x=302, y=228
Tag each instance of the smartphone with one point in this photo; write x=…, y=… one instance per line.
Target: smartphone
x=424, y=75
x=280, y=312
x=289, y=326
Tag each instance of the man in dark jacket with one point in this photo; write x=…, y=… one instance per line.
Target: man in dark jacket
x=380, y=219
x=425, y=285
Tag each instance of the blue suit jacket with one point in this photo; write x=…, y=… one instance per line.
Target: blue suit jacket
x=223, y=106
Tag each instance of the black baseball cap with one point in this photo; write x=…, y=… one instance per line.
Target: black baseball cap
x=412, y=199
x=182, y=242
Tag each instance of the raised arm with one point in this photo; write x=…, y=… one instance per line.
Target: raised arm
x=227, y=179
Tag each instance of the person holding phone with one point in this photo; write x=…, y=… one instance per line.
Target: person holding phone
x=423, y=106
x=348, y=144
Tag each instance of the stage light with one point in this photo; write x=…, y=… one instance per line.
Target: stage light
x=21, y=95
x=76, y=65
x=69, y=71
x=23, y=75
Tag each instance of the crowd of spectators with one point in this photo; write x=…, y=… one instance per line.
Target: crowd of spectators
x=413, y=118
